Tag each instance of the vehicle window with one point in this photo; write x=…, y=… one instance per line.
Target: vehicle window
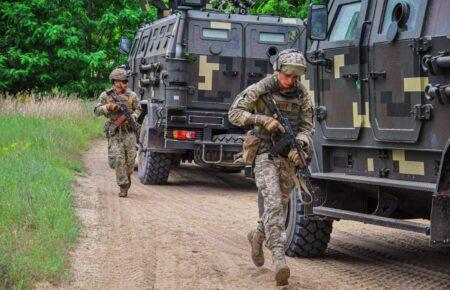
x=410, y=22
x=169, y=30
x=143, y=43
x=345, y=26
x=271, y=37
x=215, y=33
x=163, y=30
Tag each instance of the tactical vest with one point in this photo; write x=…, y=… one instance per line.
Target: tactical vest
x=290, y=104
x=126, y=97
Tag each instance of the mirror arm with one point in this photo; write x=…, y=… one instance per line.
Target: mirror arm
x=321, y=62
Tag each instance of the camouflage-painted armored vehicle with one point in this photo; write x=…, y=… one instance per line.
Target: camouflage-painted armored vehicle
x=380, y=76
x=187, y=67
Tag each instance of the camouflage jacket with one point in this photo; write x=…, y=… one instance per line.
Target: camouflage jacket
x=295, y=103
x=128, y=97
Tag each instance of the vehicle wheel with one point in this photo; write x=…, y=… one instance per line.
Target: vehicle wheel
x=153, y=167
x=305, y=237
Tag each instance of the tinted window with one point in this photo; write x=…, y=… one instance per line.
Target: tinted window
x=163, y=30
x=170, y=28
x=410, y=22
x=215, y=33
x=345, y=26
x=143, y=43
x=271, y=37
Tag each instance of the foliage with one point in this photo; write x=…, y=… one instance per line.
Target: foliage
x=69, y=46
x=38, y=226
x=285, y=8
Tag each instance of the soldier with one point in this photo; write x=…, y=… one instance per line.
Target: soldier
x=122, y=138
x=272, y=175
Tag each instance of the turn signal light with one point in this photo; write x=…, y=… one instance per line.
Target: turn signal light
x=183, y=135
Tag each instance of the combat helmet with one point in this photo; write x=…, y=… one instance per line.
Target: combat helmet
x=290, y=61
x=118, y=74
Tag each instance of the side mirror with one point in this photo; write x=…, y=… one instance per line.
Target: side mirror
x=317, y=22
x=124, y=46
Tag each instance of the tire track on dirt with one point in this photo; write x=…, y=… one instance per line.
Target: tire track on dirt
x=191, y=234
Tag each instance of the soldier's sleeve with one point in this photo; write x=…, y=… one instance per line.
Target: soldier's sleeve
x=306, y=130
x=246, y=101
x=100, y=108
x=136, y=106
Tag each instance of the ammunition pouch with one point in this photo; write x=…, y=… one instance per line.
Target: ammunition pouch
x=250, y=147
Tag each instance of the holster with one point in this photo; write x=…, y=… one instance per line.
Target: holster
x=250, y=147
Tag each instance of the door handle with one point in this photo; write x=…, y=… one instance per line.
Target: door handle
x=353, y=76
x=230, y=73
x=377, y=74
x=255, y=75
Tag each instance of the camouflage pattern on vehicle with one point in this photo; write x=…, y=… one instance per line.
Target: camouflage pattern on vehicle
x=380, y=78
x=187, y=69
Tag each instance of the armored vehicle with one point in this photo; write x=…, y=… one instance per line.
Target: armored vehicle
x=379, y=74
x=187, y=67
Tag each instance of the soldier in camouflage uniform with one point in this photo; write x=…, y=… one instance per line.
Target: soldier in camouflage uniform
x=122, y=139
x=272, y=175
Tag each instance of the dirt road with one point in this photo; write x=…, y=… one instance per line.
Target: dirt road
x=191, y=234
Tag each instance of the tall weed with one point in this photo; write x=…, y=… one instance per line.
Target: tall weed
x=40, y=147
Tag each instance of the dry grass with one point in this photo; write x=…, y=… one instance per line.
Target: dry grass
x=44, y=107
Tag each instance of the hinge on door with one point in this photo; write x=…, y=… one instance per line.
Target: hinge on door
x=421, y=112
x=420, y=45
x=320, y=113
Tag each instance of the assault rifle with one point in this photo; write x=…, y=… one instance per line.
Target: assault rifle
x=288, y=138
x=126, y=115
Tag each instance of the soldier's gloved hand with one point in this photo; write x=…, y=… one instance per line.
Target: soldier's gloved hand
x=111, y=107
x=299, y=159
x=269, y=123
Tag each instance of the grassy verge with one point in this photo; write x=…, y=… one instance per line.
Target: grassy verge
x=39, y=156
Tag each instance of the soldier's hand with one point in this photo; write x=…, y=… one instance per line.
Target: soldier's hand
x=269, y=123
x=112, y=107
x=299, y=159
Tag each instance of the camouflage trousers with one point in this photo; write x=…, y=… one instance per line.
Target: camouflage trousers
x=274, y=182
x=123, y=150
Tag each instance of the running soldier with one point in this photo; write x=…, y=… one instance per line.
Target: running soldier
x=122, y=138
x=272, y=175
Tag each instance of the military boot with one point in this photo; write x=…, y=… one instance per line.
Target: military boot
x=256, y=239
x=282, y=271
x=124, y=190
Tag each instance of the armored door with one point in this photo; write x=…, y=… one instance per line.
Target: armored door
x=215, y=49
x=397, y=82
x=263, y=42
x=341, y=108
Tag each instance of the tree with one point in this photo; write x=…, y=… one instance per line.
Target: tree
x=67, y=46
x=284, y=8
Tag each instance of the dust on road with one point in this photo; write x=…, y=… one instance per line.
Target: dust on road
x=191, y=234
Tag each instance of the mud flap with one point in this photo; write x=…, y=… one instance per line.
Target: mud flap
x=440, y=220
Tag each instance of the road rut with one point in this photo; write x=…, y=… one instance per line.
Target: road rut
x=191, y=234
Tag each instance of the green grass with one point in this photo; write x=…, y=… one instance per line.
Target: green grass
x=38, y=226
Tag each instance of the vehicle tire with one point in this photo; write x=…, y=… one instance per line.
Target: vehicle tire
x=305, y=237
x=153, y=167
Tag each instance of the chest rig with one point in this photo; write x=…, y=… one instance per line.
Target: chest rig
x=116, y=122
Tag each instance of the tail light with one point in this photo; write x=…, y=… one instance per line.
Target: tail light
x=183, y=135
